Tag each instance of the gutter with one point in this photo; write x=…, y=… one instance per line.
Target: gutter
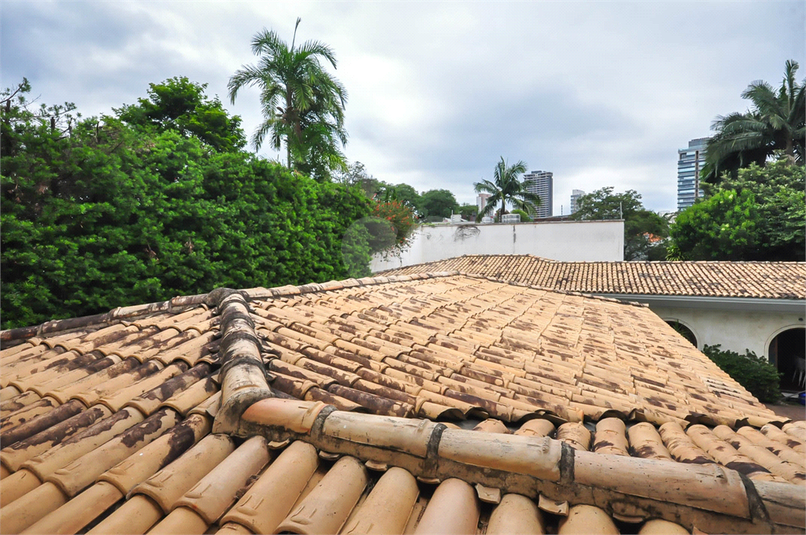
x=743, y=304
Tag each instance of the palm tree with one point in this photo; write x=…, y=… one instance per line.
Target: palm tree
x=302, y=104
x=775, y=123
x=506, y=187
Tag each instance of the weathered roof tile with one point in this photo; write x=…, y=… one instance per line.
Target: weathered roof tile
x=98, y=442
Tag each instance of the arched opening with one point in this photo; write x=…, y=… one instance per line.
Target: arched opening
x=788, y=353
x=684, y=331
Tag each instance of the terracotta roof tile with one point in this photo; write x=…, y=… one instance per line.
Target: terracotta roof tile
x=768, y=280
x=123, y=421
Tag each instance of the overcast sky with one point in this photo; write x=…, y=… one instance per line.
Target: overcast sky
x=599, y=93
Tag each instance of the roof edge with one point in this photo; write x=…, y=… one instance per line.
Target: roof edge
x=767, y=304
x=710, y=498
x=176, y=304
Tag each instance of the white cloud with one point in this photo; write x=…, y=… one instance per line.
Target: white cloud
x=601, y=93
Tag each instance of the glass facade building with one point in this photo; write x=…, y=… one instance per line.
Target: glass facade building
x=689, y=165
x=541, y=183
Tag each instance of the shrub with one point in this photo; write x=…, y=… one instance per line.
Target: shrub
x=400, y=216
x=97, y=214
x=754, y=373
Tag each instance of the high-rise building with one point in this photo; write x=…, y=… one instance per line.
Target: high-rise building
x=541, y=183
x=481, y=201
x=689, y=166
x=575, y=195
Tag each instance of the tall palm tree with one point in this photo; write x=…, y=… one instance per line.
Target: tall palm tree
x=505, y=188
x=302, y=103
x=776, y=122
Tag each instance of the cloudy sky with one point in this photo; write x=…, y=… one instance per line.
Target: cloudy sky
x=601, y=93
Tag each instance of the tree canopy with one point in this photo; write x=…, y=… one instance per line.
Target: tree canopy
x=644, y=231
x=302, y=104
x=775, y=123
x=759, y=215
x=506, y=187
x=99, y=213
x=408, y=196
x=181, y=105
x=438, y=203
x=469, y=211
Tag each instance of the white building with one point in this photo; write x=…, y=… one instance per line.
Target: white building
x=560, y=240
x=481, y=201
x=541, y=183
x=575, y=195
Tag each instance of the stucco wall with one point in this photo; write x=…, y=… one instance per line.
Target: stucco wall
x=733, y=329
x=557, y=240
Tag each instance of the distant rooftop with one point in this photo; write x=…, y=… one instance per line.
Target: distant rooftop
x=765, y=280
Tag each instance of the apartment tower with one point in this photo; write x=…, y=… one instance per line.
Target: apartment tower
x=575, y=195
x=689, y=166
x=481, y=201
x=541, y=183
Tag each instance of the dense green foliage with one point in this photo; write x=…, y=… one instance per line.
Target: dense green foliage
x=407, y=196
x=644, y=231
x=437, y=203
x=775, y=123
x=400, y=216
x=303, y=104
x=524, y=216
x=506, y=187
x=759, y=215
x=469, y=211
x=101, y=213
x=683, y=331
x=356, y=174
x=179, y=104
x=756, y=374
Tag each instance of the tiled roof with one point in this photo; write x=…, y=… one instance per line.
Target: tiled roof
x=315, y=409
x=769, y=280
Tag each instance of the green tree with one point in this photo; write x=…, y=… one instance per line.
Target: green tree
x=303, y=105
x=644, y=231
x=438, y=203
x=181, y=105
x=757, y=374
x=408, y=196
x=776, y=122
x=505, y=188
x=356, y=174
x=725, y=227
x=759, y=215
x=469, y=211
x=103, y=214
x=524, y=216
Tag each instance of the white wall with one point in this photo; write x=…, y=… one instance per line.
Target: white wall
x=733, y=329
x=557, y=240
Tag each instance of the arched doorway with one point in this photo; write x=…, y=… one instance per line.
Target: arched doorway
x=684, y=331
x=787, y=352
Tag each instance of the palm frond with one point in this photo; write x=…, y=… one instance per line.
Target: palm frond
x=247, y=75
x=316, y=48
x=485, y=186
x=302, y=104
x=267, y=42
x=491, y=206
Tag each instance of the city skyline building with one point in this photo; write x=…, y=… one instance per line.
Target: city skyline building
x=481, y=201
x=689, y=166
x=575, y=195
x=541, y=183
